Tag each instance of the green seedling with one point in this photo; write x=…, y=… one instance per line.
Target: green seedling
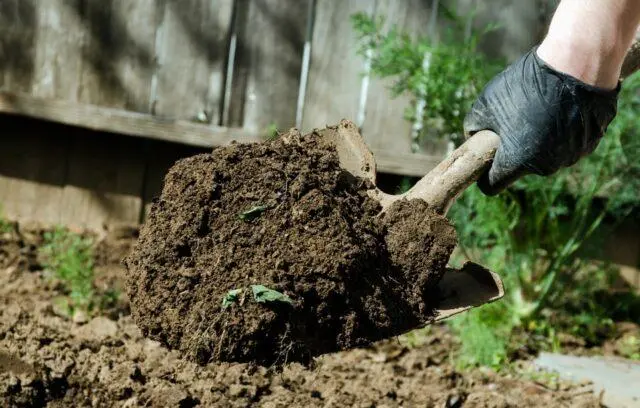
x=262, y=294
x=70, y=257
x=252, y=213
x=5, y=225
x=272, y=131
x=231, y=297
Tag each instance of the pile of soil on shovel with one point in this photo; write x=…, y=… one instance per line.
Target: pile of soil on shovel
x=271, y=253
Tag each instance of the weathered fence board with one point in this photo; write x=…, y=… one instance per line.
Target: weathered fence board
x=17, y=40
x=58, y=59
x=384, y=126
x=333, y=91
x=118, y=53
x=32, y=170
x=104, y=181
x=191, y=52
x=268, y=62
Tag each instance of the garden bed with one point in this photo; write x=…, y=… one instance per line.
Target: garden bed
x=103, y=360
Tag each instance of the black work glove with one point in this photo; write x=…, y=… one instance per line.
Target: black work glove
x=546, y=120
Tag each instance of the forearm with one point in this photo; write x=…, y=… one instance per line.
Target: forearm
x=588, y=39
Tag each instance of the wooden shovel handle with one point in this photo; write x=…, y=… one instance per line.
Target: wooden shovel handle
x=467, y=163
x=442, y=185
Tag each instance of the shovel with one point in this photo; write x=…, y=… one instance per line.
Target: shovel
x=459, y=289
x=472, y=285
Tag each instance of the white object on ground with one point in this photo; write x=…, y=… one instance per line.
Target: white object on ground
x=618, y=377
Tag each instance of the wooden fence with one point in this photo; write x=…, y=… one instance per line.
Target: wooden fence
x=99, y=97
x=117, y=90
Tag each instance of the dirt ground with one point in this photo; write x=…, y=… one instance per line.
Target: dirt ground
x=49, y=360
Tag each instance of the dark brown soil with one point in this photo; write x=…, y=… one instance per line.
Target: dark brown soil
x=47, y=360
x=310, y=232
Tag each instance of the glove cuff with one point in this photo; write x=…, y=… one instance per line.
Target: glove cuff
x=573, y=81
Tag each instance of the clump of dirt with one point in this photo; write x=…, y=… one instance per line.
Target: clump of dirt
x=283, y=215
x=419, y=242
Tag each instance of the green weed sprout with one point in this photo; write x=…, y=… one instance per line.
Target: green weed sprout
x=272, y=131
x=252, y=213
x=263, y=294
x=70, y=257
x=231, y=297
x=5, y=225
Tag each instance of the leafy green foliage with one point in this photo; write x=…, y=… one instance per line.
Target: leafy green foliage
x=272, y=131
x=540, y=234
x=70, y=257
x=231, y=297
x=263, y=294
x=252, y=213
x=447, y=74
x=405, y=185
x=484, y=334
x=5, y=225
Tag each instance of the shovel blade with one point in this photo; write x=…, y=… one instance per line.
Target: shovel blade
x=353, y=152
x=471, y=286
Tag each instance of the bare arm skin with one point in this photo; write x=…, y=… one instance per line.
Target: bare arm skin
x=588, y=39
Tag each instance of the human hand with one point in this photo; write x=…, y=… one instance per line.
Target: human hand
x=546, y=120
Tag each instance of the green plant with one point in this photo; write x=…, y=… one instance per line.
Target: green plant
x=272, y=131
x=629, y=347
x=263, y=294
x=404, y=186
x=70, y=257
x=445, y=75
x=538, y=235
x=415, y=338
x=5, y=225
x=252, y=213
x=231, y=297
x=484, y=335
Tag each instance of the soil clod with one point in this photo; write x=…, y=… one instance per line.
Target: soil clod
x=282, y=216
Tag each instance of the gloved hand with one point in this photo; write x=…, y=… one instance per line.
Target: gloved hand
x=546, y=120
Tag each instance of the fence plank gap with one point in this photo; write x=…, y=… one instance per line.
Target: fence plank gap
x=104, y=181
x=32, y=170
x=306, y=61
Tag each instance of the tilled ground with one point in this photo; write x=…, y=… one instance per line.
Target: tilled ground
x=49, y=360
